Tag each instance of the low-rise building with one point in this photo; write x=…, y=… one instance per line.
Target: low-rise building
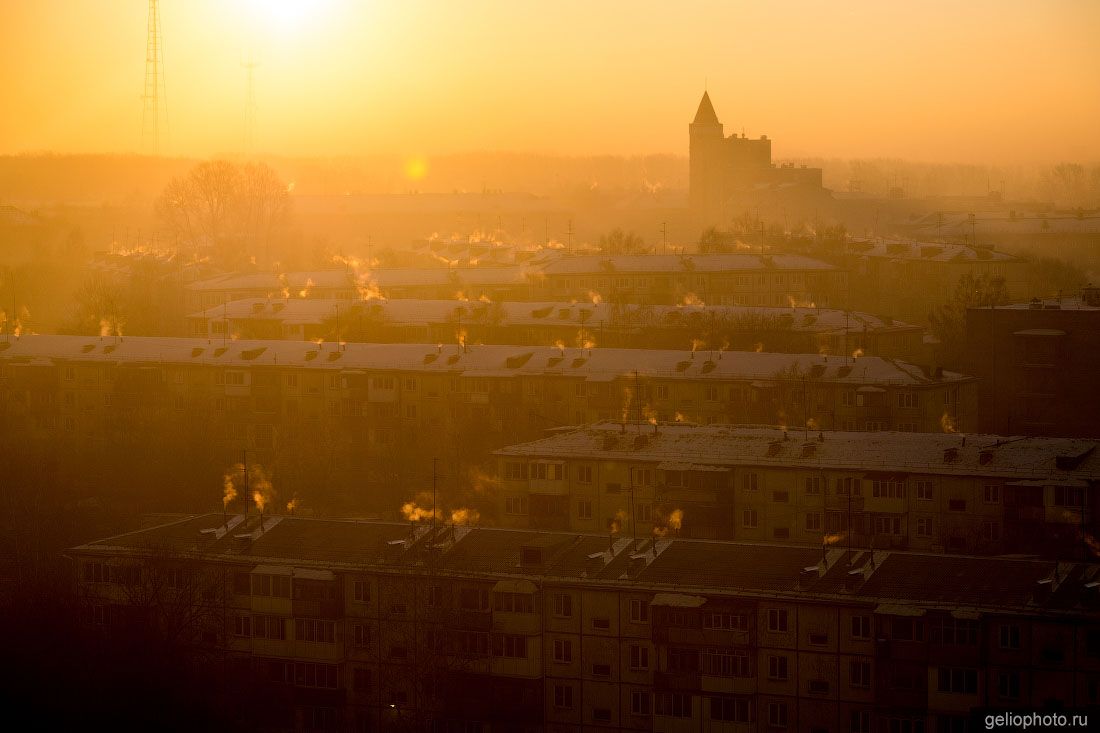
x=350, y=625
x=930, y=492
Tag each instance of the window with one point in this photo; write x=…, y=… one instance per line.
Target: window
x=563, y=651
x=360, y=636
x=639, y=657
x=781, y=533
x=1069, y=496
x=781, y=497
x=726, y=621
x=730, y=709
x=750, y=482
x=888, y=525
x=907, y=400
x=601, y=624
x=584, y=474
x=818, y=687
x=601, y=670
x=473, y=643
x=859, y=674
x=473, y=599
x=318, y=630
x=813, y=522
x=641, y=703
x=860, y=722
x=924, y=526
x=662, y=391
x=924, y=490
x=954, y=632
x=242, y=626
x=956, y=505
x=777, y=667
x=675, y=704
x=269, y=627
x=726, y=662
x=957, y=680
x=584, y=508
x=777, y=714
x=515, y=505
x=777, y=619
x=277, y=586
x=601, y=715
x=1008, y=685
x=515, y=471
x=683, y=660
x=639, y=611
x=906, y=629
x=563, y=605
x=563, y=696
x=1009, y=636
x=991, y=531
x=511, y=646
x=888, y=489
x=546, y=471
x=849, y=487
x=749, y=519
x=815, y=485
x=818, y=638
x=361, y=591
x=513, y=602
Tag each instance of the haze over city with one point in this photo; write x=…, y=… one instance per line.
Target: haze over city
x=513, y=367
x=979, y=82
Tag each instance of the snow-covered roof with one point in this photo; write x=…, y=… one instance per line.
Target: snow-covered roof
x=926, y=251
x=596, y=364
x=1055, y=461
x=420, y=311
x=730, y=262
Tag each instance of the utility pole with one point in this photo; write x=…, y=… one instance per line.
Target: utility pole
x=664, y=238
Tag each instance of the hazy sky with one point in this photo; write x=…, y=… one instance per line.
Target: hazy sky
x=980, y=81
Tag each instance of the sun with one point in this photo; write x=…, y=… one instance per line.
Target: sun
x=286, y=17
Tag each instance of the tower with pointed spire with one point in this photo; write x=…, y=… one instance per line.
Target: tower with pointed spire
x=705, y=159
x=725, y=170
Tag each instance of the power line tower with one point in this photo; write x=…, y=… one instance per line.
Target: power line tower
x=154, y=116
x=250, y=108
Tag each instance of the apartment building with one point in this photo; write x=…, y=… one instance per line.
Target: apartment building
x=354, y=626
x=715, y=279
x=1034, y=361
x=633, y=326
x=930, y=492
x=355, y=415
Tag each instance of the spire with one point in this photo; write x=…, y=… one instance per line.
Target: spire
x=705, y=113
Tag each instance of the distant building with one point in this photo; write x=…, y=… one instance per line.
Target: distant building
x=349, y=625
x=908, y=279
x=1037, y=365
x=722, y=167
x=983, y=494
x=793, y=329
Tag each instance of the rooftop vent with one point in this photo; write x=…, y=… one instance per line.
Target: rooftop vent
x=985, y=457
x=86, y=348
x=809, y=449
x=257, y=307
x=1035, y=304
x=310, y=355
x=774, y=447
x=950, y=455
x=218, y=351
x=515, y=362
x=197, y=351
x=429, y=358
x=250, y=354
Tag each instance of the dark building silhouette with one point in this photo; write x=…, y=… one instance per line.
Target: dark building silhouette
x=722, y=167
x=349, y=625
x=1035, y=366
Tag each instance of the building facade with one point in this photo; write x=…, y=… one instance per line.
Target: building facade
x=357, y=626
x=983, y=494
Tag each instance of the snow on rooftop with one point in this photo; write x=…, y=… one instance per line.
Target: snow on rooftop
x=598, y=364
x=1034, y=458
x=410, y=311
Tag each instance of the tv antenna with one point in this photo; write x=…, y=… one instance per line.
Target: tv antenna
x=154, y=98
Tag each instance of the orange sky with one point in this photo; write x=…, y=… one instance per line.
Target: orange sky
x=1001, y=81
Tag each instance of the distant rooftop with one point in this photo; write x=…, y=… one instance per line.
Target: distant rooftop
x=596, y=364
x=926, y=251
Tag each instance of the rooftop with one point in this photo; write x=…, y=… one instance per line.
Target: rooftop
x=596, y=364
x=1055, y=461
x=926, y=251
x=920, y=582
